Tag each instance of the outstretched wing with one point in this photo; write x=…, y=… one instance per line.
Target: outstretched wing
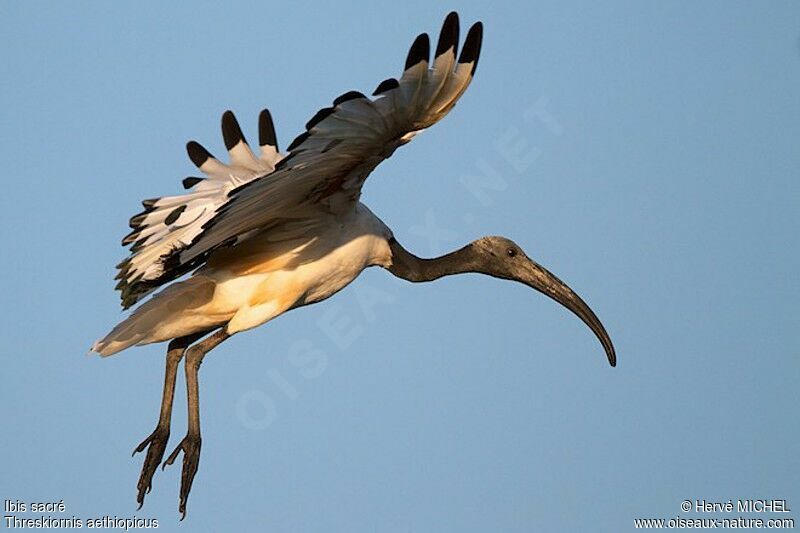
x=172, y=222
x=327, y=164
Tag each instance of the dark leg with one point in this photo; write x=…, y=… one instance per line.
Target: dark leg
x=190, y=445
x=156, y=443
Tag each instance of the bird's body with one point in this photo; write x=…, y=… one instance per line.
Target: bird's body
x=265, y=234
x=245, y=286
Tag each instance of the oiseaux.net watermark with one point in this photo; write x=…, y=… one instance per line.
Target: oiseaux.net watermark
x=730, y=514
x=511, y=155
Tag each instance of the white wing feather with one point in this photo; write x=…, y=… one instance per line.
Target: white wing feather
x=171, y=222
x=323, y=172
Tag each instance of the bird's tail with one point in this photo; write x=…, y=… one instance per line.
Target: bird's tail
x=170, y=314
x=122, y=336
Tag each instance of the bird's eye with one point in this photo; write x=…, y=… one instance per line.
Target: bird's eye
x=511, y=252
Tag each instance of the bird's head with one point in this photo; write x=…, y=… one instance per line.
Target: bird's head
x=503, y=258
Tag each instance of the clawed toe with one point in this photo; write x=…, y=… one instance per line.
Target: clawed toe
x=190, y=446
x=155, y=443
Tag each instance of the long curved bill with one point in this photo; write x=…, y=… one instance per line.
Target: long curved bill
x=544, y=281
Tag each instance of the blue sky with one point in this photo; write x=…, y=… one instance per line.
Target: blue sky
x=654, y=167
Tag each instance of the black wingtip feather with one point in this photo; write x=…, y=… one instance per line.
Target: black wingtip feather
x=266, y=130
x=231, y=131
x=448, y=38
x=420, y=50
x=317, y=118
x=283, y=163
x=298, y=141
x=138, y=245
x=137, y=219
x=349, y=95
x=174, y=214
x=130, y=237
x=386, y=85
x=191, y=181
x=197, y=153
x=472, y=46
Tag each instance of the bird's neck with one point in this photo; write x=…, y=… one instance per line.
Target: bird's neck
x=408, y=266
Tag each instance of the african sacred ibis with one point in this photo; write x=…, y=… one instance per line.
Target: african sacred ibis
x=265, y=234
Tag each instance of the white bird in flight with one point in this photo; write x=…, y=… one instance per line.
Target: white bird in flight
x=268, y=233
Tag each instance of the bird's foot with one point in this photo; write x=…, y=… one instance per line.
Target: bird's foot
x=155, y=443
x=190, y=445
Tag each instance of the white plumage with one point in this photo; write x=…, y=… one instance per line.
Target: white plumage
x=281, y=211
x=172, y=222
x=244, y=287
x=263, y=235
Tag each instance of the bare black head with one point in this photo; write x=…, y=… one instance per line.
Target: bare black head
x=501, y=258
